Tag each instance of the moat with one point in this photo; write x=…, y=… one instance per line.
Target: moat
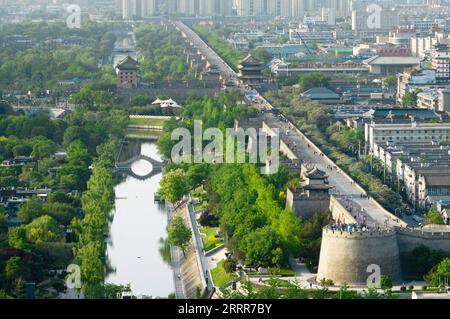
x=136, y=249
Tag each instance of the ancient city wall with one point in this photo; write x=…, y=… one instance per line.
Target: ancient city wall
x=177, y=91
x=344, y=257
x=409, y=239
x=305, y=206
x=339, y=212
x=284, y=148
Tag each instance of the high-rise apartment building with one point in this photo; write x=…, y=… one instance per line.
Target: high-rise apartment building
x=441, y=62
x=279, y=8
x=149, y=8
x=131, y=9
x=251, y=8
x=214, y=8
x=372, y=17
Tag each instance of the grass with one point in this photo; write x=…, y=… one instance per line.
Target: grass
x=220, y=277
x=278, y=283
x=210, y=241
x=283, y=272
x=144, y=133
x=200, y=195
x=148, y=121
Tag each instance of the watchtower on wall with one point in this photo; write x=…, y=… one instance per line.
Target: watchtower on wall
x=313, y=194
x=128, y=73
x=250, y=71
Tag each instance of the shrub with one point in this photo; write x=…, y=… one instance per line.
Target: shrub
x=208, y=219
x=229, y=266
x=385, y=282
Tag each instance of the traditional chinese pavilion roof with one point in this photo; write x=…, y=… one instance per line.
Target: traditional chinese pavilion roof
x=249, y=60
x=128, y=63
x=315, y=173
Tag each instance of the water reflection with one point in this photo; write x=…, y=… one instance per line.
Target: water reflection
x=139, y=225
x=164, y=251
x=142, y=167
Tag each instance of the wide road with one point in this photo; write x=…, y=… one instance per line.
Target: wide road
x=213, y=58
x=347, y=190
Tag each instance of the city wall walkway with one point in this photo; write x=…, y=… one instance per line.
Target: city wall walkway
x=343, y=185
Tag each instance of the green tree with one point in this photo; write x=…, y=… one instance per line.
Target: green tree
x=179, y=234
x=44, y=229
x=372, y=293
x=174, y=185
x=43, y=148
x=345, y=293
x=17, y=238
x=3, y=223
x=260, y=245
x=434, y=217
x=229, y=266
x=385, y=282
x=410, y=98
x=16, y=273
x=77, y=153
x=311, y=80
x=30, y=210
x=391, y=80
x=438, y=273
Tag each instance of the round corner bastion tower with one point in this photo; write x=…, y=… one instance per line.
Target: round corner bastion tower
x=344, y=257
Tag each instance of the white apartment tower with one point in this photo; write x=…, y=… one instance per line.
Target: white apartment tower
x=148, y=8
x=251, y=8
x=441, y=62
x=130, y=9
x=279, y=8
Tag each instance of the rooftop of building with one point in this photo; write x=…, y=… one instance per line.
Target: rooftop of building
x=127, y=63
x=392, y=60
x=421, y=77
x=410, y=126
x=315, y=173
x=249, y=60
x=438, y=179
x=402, y=113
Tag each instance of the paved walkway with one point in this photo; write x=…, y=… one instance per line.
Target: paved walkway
x=342, y=185
x=198, y=244
x=176, y=257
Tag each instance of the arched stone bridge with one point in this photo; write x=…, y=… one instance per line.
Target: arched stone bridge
x=125, y=167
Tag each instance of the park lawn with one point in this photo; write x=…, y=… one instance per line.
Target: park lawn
x=147, y=121
x=220, y=277
x=210, y=241
x=198, y=207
